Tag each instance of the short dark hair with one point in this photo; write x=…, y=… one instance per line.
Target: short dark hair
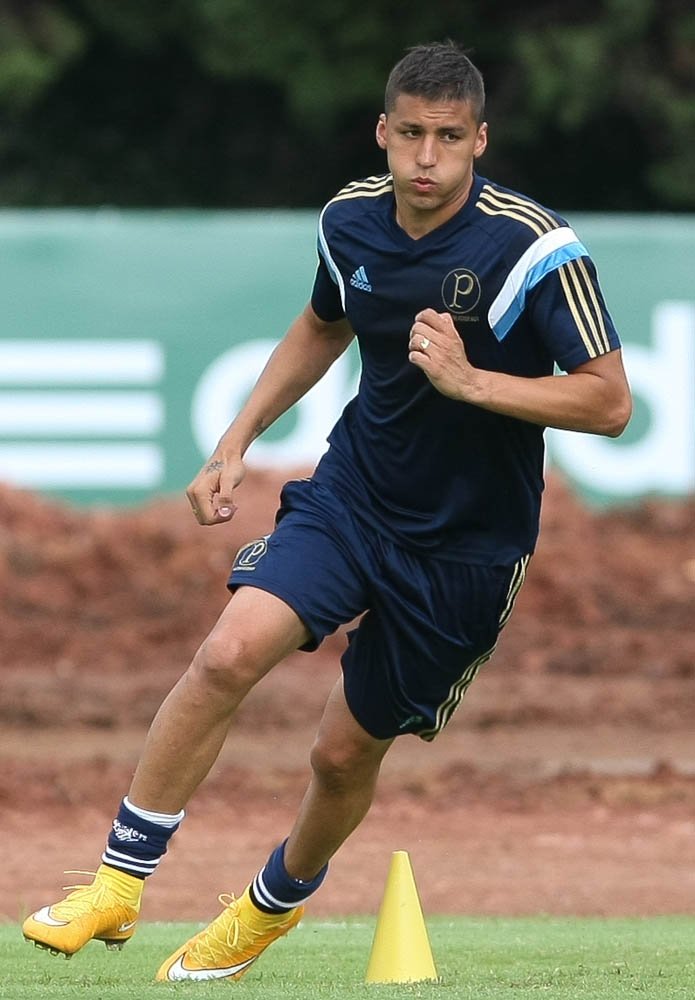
x=438, y=71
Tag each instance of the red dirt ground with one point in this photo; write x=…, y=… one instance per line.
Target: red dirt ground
x=565, y=784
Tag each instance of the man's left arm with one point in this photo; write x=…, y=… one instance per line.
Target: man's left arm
x=594, y=397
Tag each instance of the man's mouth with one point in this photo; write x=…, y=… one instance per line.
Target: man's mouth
x=423, y=184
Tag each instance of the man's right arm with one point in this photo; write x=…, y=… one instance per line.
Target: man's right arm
x=302, y=357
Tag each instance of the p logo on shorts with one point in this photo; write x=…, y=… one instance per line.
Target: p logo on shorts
x=248, y=556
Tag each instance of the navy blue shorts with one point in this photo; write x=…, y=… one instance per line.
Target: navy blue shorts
x=426, y=625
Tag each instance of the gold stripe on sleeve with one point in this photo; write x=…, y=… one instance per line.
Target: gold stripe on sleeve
x=603, y=342
x=592, y=324
x=368, y=184
x=569, y=296
x=363, y=194
x=511, y=202
x=488, y=210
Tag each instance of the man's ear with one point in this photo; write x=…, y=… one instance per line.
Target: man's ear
x=481, y=141
x=381, y=132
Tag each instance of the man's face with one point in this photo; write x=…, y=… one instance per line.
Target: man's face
x=431, y=147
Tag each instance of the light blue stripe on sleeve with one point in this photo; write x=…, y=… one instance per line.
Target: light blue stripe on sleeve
x=330, y=263
x=516, y=302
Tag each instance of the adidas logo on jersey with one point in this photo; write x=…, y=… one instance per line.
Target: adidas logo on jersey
x=360, y=280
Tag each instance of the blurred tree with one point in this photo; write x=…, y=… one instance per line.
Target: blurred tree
x=241, y=103
x=37, y=41
x=611, y=86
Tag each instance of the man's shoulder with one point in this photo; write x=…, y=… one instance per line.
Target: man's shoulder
x=357, y=198
x=511, y=217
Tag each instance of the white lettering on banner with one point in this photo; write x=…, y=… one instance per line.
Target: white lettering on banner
x=83, y=412
x=81, y=408
x=663, y=459
x=227, y=382
x=82, y=466
x=57, y=362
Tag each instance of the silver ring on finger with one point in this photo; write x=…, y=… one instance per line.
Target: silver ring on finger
x=424, y=344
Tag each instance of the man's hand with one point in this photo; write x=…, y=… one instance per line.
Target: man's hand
x=211, y=492
x=594, y=397
x=437, y=349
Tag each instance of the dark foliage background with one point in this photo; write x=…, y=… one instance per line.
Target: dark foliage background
x=240, y=103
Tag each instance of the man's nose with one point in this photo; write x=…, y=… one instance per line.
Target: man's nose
x=426, y=154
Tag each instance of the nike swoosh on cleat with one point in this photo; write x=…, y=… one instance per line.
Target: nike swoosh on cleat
x=126, y=927
x=179, y=971
x=43, y=916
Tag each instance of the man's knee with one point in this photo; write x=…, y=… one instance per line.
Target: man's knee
x=342, y=765
x=225, y=663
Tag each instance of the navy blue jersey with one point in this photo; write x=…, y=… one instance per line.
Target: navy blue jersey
x=433, y=473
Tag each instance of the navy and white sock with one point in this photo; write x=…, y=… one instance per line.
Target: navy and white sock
x=139, y=839
x=274, y=891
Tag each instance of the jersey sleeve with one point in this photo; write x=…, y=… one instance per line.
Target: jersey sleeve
x=553, y=287
x=325, y=297
x=568, y=311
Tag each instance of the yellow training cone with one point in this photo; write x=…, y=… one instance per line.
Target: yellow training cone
x=401, y=950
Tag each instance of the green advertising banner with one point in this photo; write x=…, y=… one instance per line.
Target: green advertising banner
x=130, y=339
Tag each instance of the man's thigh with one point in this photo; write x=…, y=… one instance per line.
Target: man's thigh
x=260, y=628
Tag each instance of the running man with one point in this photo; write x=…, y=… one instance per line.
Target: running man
x=419, y=520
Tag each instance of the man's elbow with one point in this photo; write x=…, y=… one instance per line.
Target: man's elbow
x=617, y=416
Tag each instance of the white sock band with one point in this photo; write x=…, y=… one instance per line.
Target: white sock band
x=167, y=820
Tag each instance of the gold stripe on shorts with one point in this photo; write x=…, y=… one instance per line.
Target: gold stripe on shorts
x=459, y=687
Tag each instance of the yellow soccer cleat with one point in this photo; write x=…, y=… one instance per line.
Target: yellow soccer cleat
x=230, y=944
x=106, y=910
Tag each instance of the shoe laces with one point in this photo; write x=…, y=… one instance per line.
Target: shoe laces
x=82, y=898
x=230, y=931
x=78, y=871
x=231, y=904
x=226, y=933
x=221, y=935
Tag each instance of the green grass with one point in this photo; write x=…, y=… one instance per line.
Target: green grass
x=477, y=959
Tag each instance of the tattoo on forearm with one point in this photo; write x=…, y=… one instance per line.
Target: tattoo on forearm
x=258, y=429
x=214, y=466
